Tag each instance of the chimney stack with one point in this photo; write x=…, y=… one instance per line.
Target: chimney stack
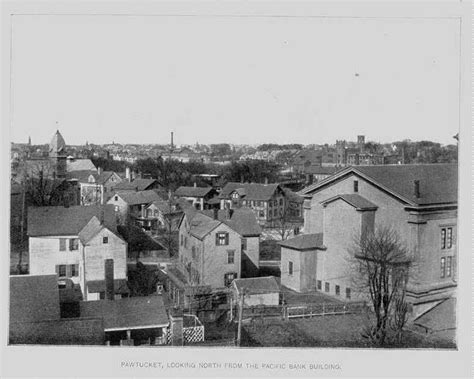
x=417, y=188
x=99, y=170
x=195, y=185
x=128, y=174
x=171, y=141
x=216, y=214
x=109, y=279
x=266, y=180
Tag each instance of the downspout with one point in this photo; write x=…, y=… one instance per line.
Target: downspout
x=84, y=271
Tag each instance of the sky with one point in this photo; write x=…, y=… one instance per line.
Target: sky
x=241, y=80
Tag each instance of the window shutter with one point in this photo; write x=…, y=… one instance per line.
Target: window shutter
x=227, y=238
x=57, y=270
x=217, y=239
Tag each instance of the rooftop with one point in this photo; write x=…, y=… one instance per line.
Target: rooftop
x=184, y=191
x=127, y=313
x=305, y=242
x=438, y=183
x=135, y=185
x=251, y=191
x=242, y=220
x=140, y=197
x=67, y=221
x=265, y=284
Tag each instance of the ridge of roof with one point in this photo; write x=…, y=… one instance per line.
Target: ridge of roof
x=357, y=201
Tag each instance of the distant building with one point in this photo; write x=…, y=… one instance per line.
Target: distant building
x=130, y=204
x=95, y=187
x=198, y=197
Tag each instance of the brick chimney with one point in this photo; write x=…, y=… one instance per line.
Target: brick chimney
x=109, y=279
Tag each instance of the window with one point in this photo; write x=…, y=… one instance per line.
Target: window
x=259, y=203
x=356, y=186
x=62, y=244
x=348, y=293
x=290, y=268
x=74, y=244
x=447, y=238
x=449, y=261
x=228, y=278
x=74, y=270
x=261, y=214
x=338, y=290
x=222, y=239
x=116, y=198
x=443, y=267
x=61, y=271
x=243, y=244
x=230, y=257
x=281, y=201
x=193, y=252
x=326, y=287
x=275, y=212
x=117, y=208
x=105, y=239
x=319, y=285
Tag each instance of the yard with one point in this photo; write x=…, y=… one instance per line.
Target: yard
x=325, y=331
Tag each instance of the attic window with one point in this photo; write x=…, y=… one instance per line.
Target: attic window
x=356, y=186
x=116, y=198
x=105, y=240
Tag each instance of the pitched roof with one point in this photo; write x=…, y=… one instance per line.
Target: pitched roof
x=34, y=298
x=120, y=286
x=138, y=184
x=267, y=284
x=64, y=221
x=252, y=191
x=140, y=197
x=242, y=220
x=128, y=313
x=305, y=242
x=80, y=165
x=184, y=191
x=57, y=144
x=357, y=201
x=438, y=182
x=202, y=225
x=293, y=196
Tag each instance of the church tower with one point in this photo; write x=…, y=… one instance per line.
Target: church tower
x=57, y=155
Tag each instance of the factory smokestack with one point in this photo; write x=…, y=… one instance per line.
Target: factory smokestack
x=172, y=140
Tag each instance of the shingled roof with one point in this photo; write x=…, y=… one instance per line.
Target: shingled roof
x=138, y=184
x=267, y=284
x=305, y=242
x=242, y=220
x=438, y=183
x=80, y=165
x=250, y=191
x=67, y=221
x=184, y=191
x=140, y=197
x=82, y=176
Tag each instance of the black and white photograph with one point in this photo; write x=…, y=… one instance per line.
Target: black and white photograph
x=187, y=181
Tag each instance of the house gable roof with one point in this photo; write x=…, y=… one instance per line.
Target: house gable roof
x=250, y=286
x=305, y=242
x=438, y=182
x=80, y=165
x=241, y=220
x=250, y=191
x=140, y=197
x=184, y=191
x=67, y=221
x=357, y=201
x=138, y=184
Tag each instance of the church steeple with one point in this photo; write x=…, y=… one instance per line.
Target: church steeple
x=57, y=145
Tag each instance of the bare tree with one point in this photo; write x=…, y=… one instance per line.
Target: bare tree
x=381, y=265
x=284, y=223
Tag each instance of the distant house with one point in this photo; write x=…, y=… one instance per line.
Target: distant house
x=257, y=291
x=268, y=201
x=197, y=196
x=96, y=187
x=137, y=185
x=315, y=173
x=130, y=205
x=35, y=316
x=74, y=164
x=161, y=214
x=419, y=202
x=73, y=243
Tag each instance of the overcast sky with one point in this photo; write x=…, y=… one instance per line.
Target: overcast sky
x=246, y=80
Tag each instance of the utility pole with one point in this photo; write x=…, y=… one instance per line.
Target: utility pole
x=241, y=311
